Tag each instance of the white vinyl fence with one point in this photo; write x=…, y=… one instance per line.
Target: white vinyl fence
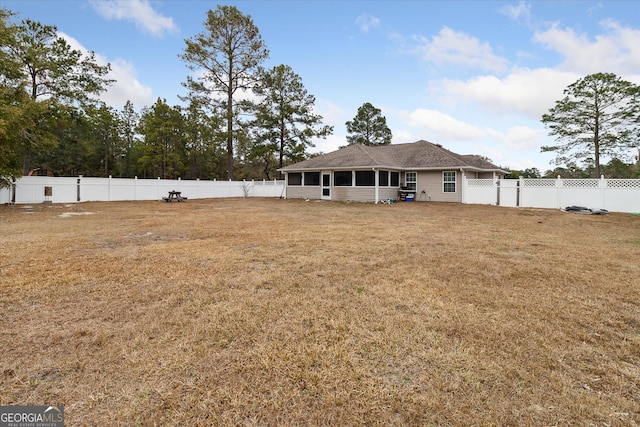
x=613, y=195
x=39, y=189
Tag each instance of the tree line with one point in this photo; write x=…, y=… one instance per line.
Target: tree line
x=51, y=116
x=615, y=168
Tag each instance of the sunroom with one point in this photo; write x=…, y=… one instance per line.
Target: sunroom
x=356, y=185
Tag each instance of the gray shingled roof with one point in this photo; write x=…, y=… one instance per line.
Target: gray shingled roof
x=417, y=155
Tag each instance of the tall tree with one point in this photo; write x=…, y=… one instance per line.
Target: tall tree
x=204, y=148
x=163, y=130
x=368, y=127
x=128, y=121
x=72, y=155
x=285, y=123
x=13, y=103
x=53, y=69
x=599, y=116
x=51, y=72
x=225, y=58
x=105, y=136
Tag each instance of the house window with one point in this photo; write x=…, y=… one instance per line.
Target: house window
x=410, y=179
x=294, y=178
x=365, y=178
x=383, y=178
x=342, y=178
x=312, y=178
x=449, y=182
x=395, y=179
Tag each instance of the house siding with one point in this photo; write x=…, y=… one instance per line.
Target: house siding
x=484, y=175
x=353, y=194
x=386, y=193
x=479, y=175
x=431, y=183
x=303, y=192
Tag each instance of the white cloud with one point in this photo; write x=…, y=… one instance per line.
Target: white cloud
x=527, y=91
x=617, y=50
x=138, y=11
x=594, y=9
x=367, y=22
x=522, y=11
x=329, y=144
x=451, y=47
x=496, y=156
x=332, y=115
x=519, y=137
x=404, y=135
x=440, y=126
x=126, y=88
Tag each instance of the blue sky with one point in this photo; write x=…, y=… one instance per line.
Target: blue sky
x=474, y=76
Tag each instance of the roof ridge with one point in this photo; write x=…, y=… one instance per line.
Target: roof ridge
x=439, y=147
x=450, y=153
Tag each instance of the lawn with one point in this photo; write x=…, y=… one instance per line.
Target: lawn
x=285, y=312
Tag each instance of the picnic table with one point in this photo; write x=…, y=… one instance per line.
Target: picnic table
x=174, y=195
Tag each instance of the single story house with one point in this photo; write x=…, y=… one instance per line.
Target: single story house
x=420, y=171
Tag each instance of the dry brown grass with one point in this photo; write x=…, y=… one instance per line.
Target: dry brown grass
x=285, y=312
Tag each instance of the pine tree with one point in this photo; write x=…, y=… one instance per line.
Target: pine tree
x=599, y=116
x=368, y=127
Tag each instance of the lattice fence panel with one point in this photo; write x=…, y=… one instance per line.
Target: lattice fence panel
x=534, y=182
x=581, y=183
x=623, y=183
x=484, y=183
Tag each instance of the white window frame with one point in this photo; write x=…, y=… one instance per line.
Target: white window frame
x=446, y=179
x=411, y=185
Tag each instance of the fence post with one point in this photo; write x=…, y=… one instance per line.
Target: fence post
x=78, y=188
x=464, y=184
x=519, y=191
x=558, y=192
x=603, y=187
x=14, y=186
x=135, y=187
x=109, y=189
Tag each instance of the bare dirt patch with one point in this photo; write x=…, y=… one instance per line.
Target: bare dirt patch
x=285, y=312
